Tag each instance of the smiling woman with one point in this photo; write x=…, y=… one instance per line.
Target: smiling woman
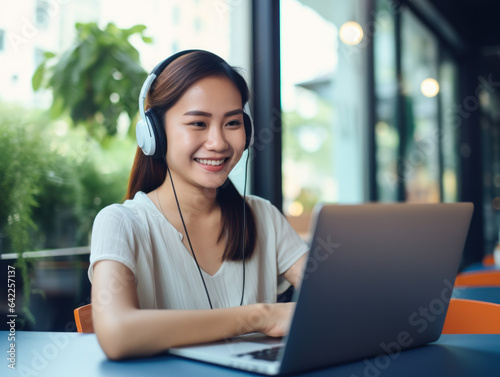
x=186, y=241
x=190, y=95
x=211, y=140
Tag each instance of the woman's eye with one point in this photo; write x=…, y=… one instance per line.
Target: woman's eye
x=198, y=124
x=234, y=123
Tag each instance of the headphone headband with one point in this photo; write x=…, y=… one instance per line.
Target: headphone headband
x=163, y=64
x=155, y=72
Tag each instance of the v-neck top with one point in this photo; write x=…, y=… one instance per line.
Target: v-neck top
x=137, y=235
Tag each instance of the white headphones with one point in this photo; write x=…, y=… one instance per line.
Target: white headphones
x=150, y=132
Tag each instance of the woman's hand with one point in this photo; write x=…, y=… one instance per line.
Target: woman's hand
x=277, y=318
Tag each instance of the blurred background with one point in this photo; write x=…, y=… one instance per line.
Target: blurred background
x=353, y=101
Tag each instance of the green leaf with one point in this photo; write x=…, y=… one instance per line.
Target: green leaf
x=36, y=80
x=48, y=55
x=134, y=29
x=87, y=53
x=57, y=108
x=147, y=39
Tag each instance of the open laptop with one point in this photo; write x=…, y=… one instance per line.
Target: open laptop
x=378, y=280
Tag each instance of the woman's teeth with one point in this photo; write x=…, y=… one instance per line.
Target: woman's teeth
x=211, y=162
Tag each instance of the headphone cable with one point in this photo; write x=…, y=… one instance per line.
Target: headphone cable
x=244, y=225
x=189, y=240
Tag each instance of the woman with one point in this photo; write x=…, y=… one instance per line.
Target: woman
x=185, y=241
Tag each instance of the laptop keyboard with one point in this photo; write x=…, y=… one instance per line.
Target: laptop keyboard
x=268, y=354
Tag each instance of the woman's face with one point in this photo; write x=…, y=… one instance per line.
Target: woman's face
x=205, y=133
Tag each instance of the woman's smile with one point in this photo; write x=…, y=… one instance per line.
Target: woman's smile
x=214, y=165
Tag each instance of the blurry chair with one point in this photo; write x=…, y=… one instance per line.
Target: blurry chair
x=480, y=278
x=472, y=317
x=83, y=319
x=488, y=260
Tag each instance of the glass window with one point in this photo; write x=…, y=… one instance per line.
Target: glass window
x=175, y=15
x=386, y=94
x=448, y=137
x=324, y=104
x=490, y=144
x=68, y=173
x=221, y=27
x=420, y=165
x=38, y=56
x=308, y=63
x=2, y=40
x=42, y=15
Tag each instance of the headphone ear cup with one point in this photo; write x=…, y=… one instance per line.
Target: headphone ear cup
x=247, y=122
x=145, y=136
x=157, y=125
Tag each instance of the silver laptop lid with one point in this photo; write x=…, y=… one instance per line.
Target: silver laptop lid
x=378, y=280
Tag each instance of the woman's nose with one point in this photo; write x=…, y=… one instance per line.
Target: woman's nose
x=216, y=139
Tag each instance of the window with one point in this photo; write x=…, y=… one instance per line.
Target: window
x=198, y=25
x=308, y=64
x=324, y=105
x=223, y=30
x=2, y=40
x=448, y=79
x=417, y=153
x=386, y=93
x=42, y=15
x=175, y=15
x=489, y=122
x=38, y=56
x=419, y=62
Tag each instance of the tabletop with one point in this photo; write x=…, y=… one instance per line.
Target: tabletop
x=71, y=354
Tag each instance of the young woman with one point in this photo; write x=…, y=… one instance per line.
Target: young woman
x=185, y=259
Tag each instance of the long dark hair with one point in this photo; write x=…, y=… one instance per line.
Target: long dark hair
x=148, y=173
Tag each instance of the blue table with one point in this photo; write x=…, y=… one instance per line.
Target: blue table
x=488, y=294
x=70, y=354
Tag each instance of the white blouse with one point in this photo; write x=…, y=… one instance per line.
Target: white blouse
x=137, y=234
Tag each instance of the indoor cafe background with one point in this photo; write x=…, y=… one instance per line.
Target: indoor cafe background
x=353, y=101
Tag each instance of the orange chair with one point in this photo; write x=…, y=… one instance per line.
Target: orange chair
x=83, y=319
x=488, y=260
x=472, y=317
x=481, y=278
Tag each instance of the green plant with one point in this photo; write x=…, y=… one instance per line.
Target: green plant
x=84, y=177
x=97, y=79
x=22, y=167
x=52, y=185
x=54, y=179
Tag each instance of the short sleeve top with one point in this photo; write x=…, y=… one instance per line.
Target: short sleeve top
x=137, y=235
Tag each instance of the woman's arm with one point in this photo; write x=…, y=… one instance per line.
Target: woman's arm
x=295, y=272
x=124, y=330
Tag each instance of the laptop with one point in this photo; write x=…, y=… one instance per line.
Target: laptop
x=378, y=280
